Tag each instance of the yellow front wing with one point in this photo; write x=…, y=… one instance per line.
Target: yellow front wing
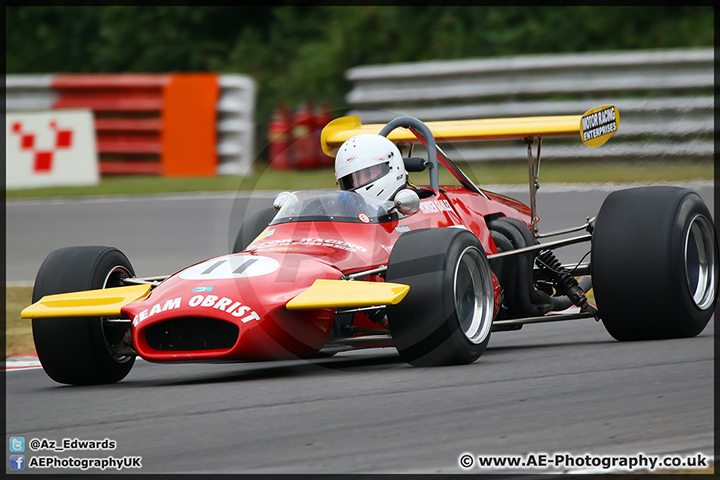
x=345, y=294
x=88, y=303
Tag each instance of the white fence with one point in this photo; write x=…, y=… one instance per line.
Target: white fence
x=236, y=125
x=665, y=99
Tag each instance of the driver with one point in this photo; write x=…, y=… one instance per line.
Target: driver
x=371, y=165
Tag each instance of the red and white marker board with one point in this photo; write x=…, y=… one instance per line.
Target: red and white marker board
x=50, y=148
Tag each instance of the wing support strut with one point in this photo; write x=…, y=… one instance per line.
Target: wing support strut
x=534, y=183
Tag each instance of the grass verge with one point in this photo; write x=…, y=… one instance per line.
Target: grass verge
x=485, y=173
x=18, y=332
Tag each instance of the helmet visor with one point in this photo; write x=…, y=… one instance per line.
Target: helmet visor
x=364, y=176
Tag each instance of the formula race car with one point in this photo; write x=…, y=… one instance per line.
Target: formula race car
x=432, y=272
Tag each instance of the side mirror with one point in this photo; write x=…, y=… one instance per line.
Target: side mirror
x=407, y=202
x=280, y=200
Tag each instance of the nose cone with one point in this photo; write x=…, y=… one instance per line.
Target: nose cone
x=233, y=308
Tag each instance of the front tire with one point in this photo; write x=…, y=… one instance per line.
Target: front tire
x=446, y=317
x=654, y=263
x=76, y=350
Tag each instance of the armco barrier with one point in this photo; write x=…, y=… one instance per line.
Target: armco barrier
x=665, y=98
x=175, y=124
x=236, y=124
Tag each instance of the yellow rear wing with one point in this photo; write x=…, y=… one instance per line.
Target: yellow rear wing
x=594, y=128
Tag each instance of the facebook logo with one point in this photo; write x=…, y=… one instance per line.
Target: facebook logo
x=17, y=462
x=17, y=444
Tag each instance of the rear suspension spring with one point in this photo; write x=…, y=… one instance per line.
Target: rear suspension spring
x=566, y=283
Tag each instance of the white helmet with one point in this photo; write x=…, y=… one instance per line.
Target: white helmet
x=372, y=165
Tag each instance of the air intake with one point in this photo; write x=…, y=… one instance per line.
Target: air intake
x=191, y=333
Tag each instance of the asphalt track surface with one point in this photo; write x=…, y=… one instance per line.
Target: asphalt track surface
x=550, y=388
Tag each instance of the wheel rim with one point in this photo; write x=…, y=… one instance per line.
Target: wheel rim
x=114, y=279
x=700, y=268
x=473, y=289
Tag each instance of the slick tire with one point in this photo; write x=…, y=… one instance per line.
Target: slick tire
x=76, y=350
x=253, y=226
x=446, y=316
x=654, y=263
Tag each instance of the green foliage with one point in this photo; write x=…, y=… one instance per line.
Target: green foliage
x=298, y=53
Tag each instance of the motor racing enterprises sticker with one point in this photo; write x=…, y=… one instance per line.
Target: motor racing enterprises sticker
x=598, y=125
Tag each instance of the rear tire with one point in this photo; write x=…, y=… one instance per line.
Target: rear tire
x=253, y=226
x=446, y=316
x=76, y=350
x=654, y=263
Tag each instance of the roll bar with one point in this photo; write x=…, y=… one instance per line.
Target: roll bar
x=418, y=128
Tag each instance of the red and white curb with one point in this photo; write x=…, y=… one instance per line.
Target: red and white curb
x=22, y=361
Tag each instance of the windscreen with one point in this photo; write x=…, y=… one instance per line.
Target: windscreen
x=331, y=205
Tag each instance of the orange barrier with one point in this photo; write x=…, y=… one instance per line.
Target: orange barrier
x=158, y=124
x=189, y=115
x=127, y=110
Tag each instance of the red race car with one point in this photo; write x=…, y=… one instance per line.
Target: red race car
x=431, y=272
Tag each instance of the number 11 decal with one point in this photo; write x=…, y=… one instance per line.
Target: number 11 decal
x=231, y=267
